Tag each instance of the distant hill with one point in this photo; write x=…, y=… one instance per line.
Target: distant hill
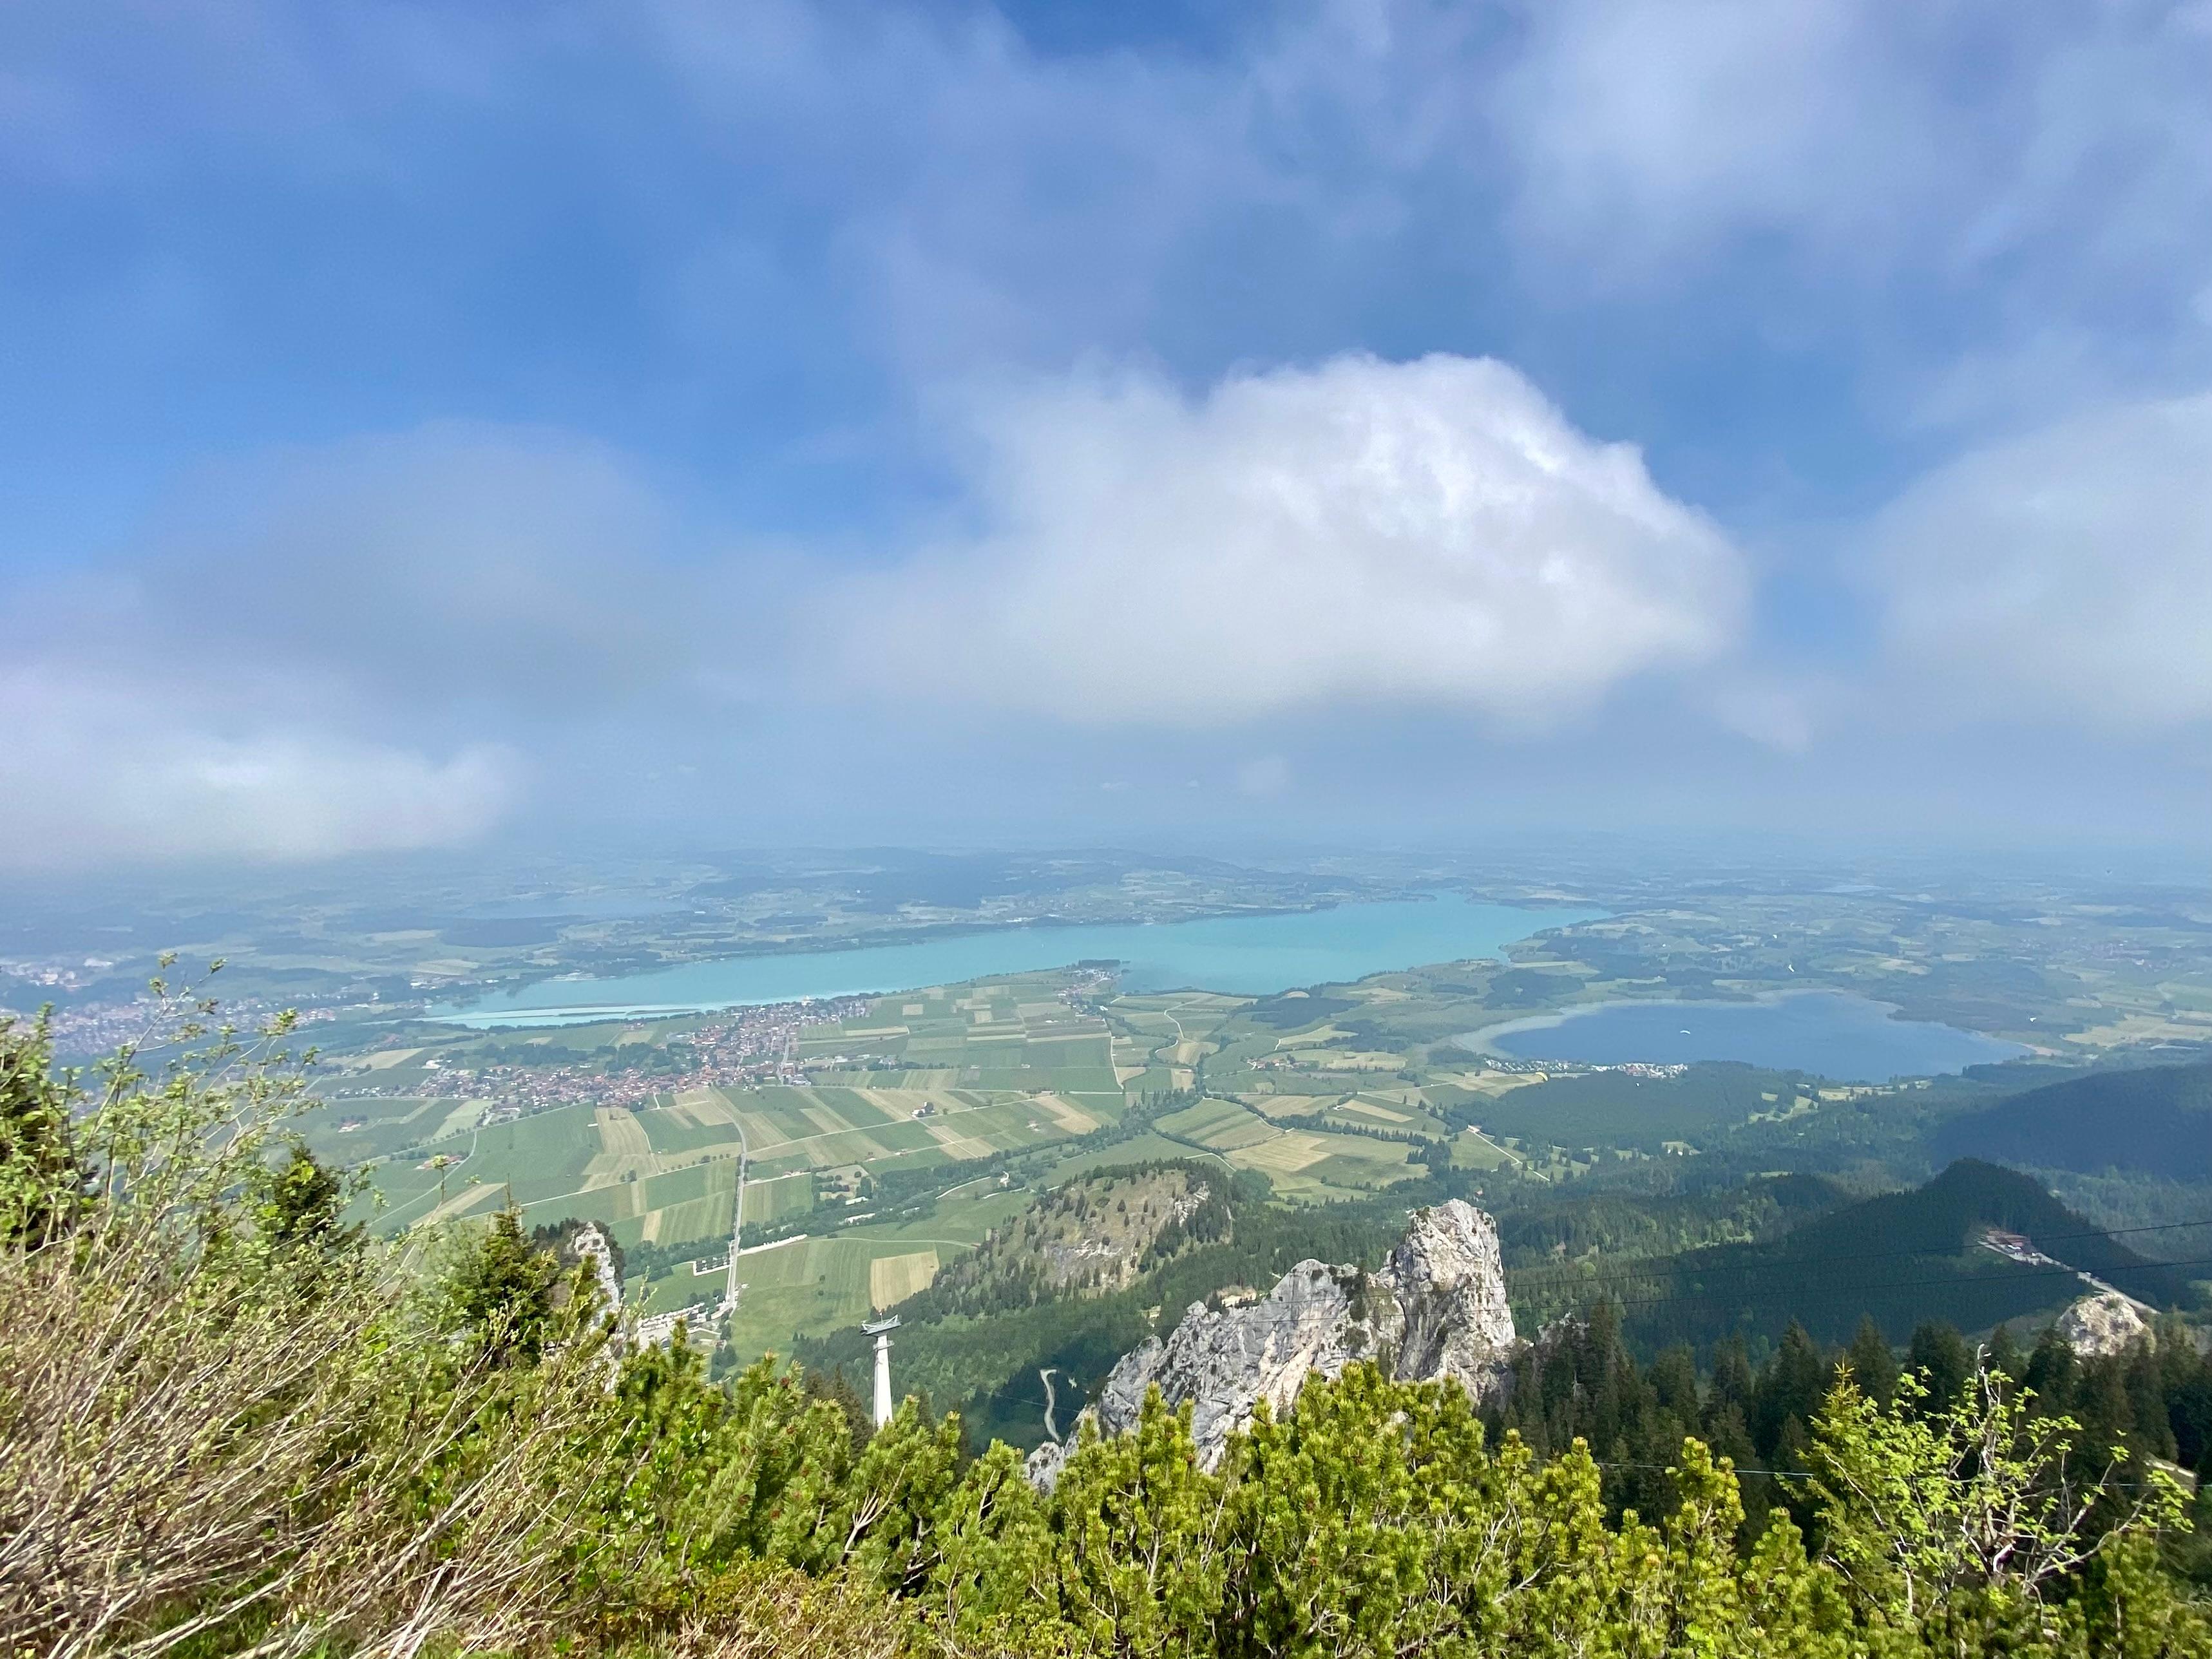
x=1092, y=1236
x=1903, y=1257
x=1055, y=1290
x=1551, y=1231
x=2157, y=1119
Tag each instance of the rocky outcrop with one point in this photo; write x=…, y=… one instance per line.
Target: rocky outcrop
x=1450, y=1284
x=1435, y=1310
x=591, y=1244
x=2106, y=1324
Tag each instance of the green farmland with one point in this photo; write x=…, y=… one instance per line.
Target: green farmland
x=950, y=1076
x=1008, y=1075
x=1009, y=1086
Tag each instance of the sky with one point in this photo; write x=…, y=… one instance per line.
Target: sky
x=695, y=422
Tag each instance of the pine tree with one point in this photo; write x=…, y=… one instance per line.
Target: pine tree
x=2005, y=1356
x=1732, y=1381
x=2146, y=1386
x=2051, y=1373
x=1791, y=1388
x=1939, y=1356
x=1874, y=1367
x=2189, y=1400
x=299, y=1205
x=1674, y=1379
x=2101, y=1402
x=500, y=1292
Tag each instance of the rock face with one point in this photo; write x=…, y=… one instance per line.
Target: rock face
x=591, y=1243
x=1437, y=1309
x=2105, y=1324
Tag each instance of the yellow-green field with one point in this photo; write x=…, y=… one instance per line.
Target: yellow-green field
x=813, y=1285
x=1299, y=1154
x=946, y=1076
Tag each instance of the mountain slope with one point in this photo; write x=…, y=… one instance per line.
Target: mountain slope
x=1093, y=1236
x=1904, y=1258
x=2157, y=1119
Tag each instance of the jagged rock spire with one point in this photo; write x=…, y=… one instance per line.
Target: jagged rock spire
x=1437, y=1309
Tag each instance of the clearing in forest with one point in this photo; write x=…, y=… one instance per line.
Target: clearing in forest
x=892, y=1279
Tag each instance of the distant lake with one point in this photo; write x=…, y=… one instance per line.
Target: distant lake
x=1251, y=956
x=1832, y=1033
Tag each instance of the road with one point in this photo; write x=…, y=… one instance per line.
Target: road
x=736, y=1218
x=1051, y=1402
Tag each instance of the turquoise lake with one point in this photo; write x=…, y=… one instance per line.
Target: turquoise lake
x=1252, y=955
x=1848, y=1038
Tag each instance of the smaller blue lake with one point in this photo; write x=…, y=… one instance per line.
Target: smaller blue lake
x=1830, y=1033
x=1250, y=956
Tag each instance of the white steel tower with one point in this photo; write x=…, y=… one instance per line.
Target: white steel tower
x=881, y=1329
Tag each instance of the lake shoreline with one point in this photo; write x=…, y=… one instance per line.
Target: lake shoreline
x=1925, y=1047
x=1479, y=1040
x=1250, y=953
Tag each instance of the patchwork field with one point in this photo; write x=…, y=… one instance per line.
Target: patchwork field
x=778, y=1198
x=895, y=1277
x=354, y=1128
x=948, y=1076
x=1304, y=1160
x=1318, y=1092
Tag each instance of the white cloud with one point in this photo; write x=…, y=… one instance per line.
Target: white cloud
x=1428, y=533
x=2068, y=573
x=329, y=649
x=1965, y=131
x=1642, y=129
x=2002, y=208
x=108, y=773
x=1774, y=712
x=1003, y=201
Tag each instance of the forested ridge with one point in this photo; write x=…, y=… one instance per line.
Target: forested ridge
x=234, y=1424
x=1896, y=1257
x=2157, y=1119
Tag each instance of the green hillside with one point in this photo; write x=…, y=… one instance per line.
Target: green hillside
x=2157, y=1119
x=1902, y=1258
x=1649, y=1113
x=1544, y=1229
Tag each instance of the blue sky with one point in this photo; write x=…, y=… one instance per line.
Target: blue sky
x=749, y=422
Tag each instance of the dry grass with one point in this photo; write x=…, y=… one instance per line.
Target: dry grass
x=211, y=1436
x=183, y=1449
x=892, y=1279
x=756, y=1611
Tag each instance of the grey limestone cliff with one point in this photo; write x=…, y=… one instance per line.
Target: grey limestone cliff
x=2106, y=1324
x=1436, y=1309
